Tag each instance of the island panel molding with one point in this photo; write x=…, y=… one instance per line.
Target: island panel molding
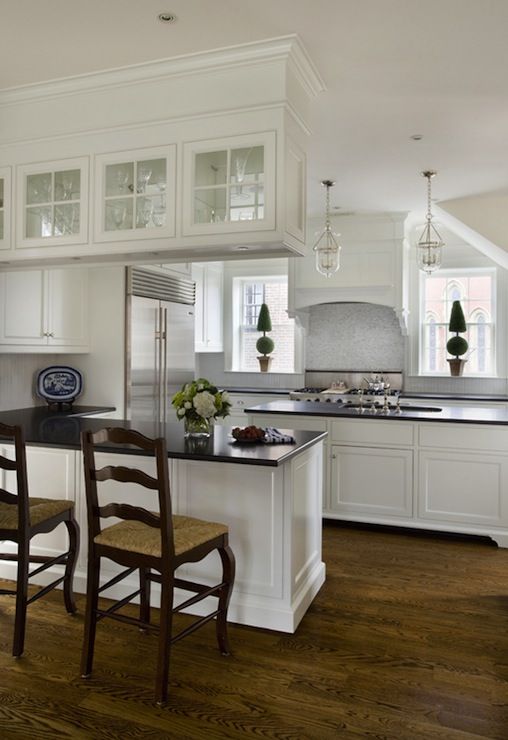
x=270, y=496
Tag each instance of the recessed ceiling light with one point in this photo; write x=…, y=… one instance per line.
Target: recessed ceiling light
x=416, y=137
x=242, y=248
x=166, y=17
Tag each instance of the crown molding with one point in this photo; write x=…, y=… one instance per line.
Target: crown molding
x=288, y=48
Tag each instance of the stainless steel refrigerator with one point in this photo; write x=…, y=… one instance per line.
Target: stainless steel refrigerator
x=159, y=342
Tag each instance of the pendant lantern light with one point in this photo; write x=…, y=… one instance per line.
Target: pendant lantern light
x=327, y=249
x=430, y=243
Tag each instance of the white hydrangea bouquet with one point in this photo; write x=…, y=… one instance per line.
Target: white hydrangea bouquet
x=199, y=402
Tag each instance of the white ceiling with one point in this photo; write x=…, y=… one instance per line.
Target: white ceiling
x=392, y=68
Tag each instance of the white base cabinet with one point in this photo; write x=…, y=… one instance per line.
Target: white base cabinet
x=369, y=480
x=439, y=476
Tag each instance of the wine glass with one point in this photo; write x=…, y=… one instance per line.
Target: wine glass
x=145, y=211
x=144, y=174
x=122, y=178
x=67, y=184
x=119, y=213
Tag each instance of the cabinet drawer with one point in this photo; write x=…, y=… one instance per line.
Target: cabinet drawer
x=464, y=437
x=365, y=432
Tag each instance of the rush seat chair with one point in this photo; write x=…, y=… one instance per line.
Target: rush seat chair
x=155, y=544
x=23, y=517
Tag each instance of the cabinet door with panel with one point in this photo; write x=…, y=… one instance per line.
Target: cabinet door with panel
x=463, y=487
x=5, y=207
x=229, y=184
x=135, y=194
x=52, y=203
x=209, y=302
x=371, y=482
x=44, y=309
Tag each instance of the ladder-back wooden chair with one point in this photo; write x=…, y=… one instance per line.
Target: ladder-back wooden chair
x=154, y=544
x=21, y=518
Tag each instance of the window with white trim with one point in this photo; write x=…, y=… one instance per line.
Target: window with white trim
x=248, y=295
x=476, y=290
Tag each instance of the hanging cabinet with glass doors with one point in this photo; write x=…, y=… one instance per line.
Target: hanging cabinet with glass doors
x=52, y=203
x=5, y=207
x=135, y=194
x=229, y=184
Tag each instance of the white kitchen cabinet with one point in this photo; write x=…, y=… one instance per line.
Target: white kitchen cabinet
x=242, y=401
x=52, y=203
x=208, y=308
x=463, y=487
x=44, y=311
x=135, y=194
x=229, y=184
x=370, y=481
x=5, y=207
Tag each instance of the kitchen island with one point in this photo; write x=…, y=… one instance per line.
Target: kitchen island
x=269, y=495
x=444, y=470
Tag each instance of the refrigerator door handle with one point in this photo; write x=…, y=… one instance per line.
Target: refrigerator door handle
x=165, y=365
x=159, y=336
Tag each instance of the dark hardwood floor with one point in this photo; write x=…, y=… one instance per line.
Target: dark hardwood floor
x=407, y=639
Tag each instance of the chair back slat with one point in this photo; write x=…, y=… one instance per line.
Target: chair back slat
x=126, y=475
x=133, y=513
x=7, y=464
x=14, y=435
x=8, y=498
x=92, y=443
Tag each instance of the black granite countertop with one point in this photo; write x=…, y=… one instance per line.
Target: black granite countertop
x=449, y=414
x=262, y=391
x=60, y=429
x=456, y=397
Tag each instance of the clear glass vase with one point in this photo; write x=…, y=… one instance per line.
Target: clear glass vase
x=197, y=427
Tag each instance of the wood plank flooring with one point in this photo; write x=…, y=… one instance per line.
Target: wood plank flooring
x=408, y=639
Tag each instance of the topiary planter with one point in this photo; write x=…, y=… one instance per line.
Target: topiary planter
x=456, y=366
x=264, y=363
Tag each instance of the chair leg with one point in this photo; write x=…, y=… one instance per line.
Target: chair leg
x=166, y=620
x=228, y=578
x=21, y=599
x=144, y=599
x=92, y=600
x=70, y=566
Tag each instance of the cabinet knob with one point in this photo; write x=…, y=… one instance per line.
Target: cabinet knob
x=334, y=456
x=51, y=334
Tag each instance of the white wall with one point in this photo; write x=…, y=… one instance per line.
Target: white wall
x=104, y=367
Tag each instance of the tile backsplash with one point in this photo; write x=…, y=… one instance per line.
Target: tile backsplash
x=17, y=378
x=354, y=336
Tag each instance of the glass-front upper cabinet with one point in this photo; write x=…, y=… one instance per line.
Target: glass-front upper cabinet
x=52, y=203
x=229, y=184
x=5, y=207
x=135, y=193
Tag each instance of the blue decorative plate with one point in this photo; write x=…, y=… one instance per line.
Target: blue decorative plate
x=59, y=384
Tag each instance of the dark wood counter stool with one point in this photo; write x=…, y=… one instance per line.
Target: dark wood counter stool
x=23, y=517
x=154, y=544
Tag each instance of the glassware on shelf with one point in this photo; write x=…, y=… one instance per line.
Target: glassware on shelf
x=144, y=212
x=143, y=176
x=122, y=179
x=159, y=217
x=240, y=163
x=118, y=214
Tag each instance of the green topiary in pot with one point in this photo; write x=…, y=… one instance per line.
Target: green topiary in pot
x=456, y=345
x=265, y=344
